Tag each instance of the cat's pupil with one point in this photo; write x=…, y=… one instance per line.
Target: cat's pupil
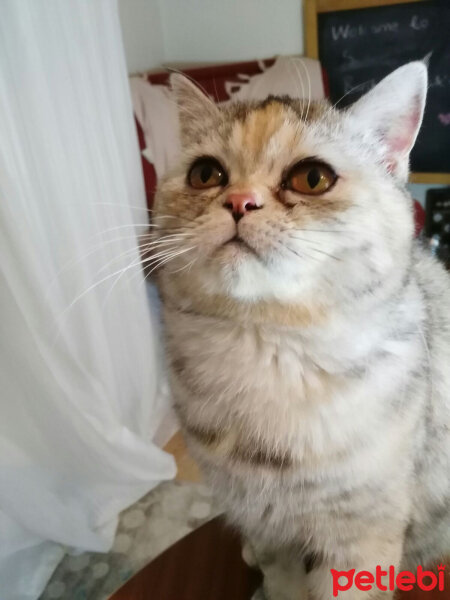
x=206, y=173
x=313, y=177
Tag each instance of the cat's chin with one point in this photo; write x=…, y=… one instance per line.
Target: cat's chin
x=234, y=251
x=239, y=245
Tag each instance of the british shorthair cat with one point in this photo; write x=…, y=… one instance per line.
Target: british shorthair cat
x=308, y=332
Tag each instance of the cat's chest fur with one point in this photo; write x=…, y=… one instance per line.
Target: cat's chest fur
x=253, y=396
x=284, y=437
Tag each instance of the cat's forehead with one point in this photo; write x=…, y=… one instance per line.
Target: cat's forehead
x=277, y=107
x=272, y=129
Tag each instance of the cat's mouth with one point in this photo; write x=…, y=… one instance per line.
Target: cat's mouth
x=240, y=243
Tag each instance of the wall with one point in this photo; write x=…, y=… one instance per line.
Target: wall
x=142, y=34
x=158, y=31
x=231, y=30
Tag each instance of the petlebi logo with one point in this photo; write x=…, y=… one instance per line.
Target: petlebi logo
x=388, y=580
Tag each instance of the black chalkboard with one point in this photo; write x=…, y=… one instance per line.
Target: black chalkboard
x=359, y=47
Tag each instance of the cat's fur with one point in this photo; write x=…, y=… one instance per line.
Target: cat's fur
x=310, y=369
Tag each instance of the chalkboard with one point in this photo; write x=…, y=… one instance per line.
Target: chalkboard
x=358, y=47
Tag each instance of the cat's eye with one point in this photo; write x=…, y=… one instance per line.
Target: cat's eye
x=206, y=173
x=310, y=177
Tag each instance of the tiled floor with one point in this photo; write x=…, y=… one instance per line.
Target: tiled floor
x=146, y=529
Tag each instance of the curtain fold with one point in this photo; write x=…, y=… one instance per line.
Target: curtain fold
x=81, y=375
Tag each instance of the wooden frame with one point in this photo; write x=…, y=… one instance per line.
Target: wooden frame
x=310, y=18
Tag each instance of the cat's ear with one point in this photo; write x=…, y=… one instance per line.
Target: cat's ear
x=194, y=106
x=393, y=110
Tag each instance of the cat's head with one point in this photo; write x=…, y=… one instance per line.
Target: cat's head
x=290, y=201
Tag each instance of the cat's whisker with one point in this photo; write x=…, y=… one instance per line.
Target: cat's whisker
x=72, y=262
x=186, y=266
x=149, y=210
x=302, y=256
x=170, y=258
x=125, y=254
x=140, y=262
x=89, y=289
x=162, y=242
x=186, y=76
x=179, y=217
x=120, y=227
x=309, y=89
x=154, y=258
x=145, y=278
x=124, y=205
x=353, y=89
x=147, y=275
x=162, y=231
x=302, y=239
x=164, y=253
x=333, y=231
x=150, y=225
x=116, y=281
x=170, y=236
x=173, y=230
x=189, y=265
x=138, y=236
x=145, y=248
x=302, y=93
x=164, y=259
x=174, y=217
x=326, y=254
x=215, y=90
x=311, y=244
x=160, y=255
x=119, y=272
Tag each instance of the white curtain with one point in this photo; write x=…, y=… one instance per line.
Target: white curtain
x=79, y=361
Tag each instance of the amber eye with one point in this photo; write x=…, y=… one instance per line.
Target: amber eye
x=310, y=177
x=207, y=173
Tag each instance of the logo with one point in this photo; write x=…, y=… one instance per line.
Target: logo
x=388, y=580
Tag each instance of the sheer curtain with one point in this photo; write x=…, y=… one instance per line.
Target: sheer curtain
x=79, y=361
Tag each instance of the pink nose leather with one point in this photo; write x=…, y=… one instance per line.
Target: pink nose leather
x=240, y=203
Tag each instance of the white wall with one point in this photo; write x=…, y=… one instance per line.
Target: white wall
x=231, y=30
x=142, y=34
x=158, y=31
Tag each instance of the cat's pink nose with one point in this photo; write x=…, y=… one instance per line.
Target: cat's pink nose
x=240, y=203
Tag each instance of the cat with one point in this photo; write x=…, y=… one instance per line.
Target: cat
x=308, y=332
